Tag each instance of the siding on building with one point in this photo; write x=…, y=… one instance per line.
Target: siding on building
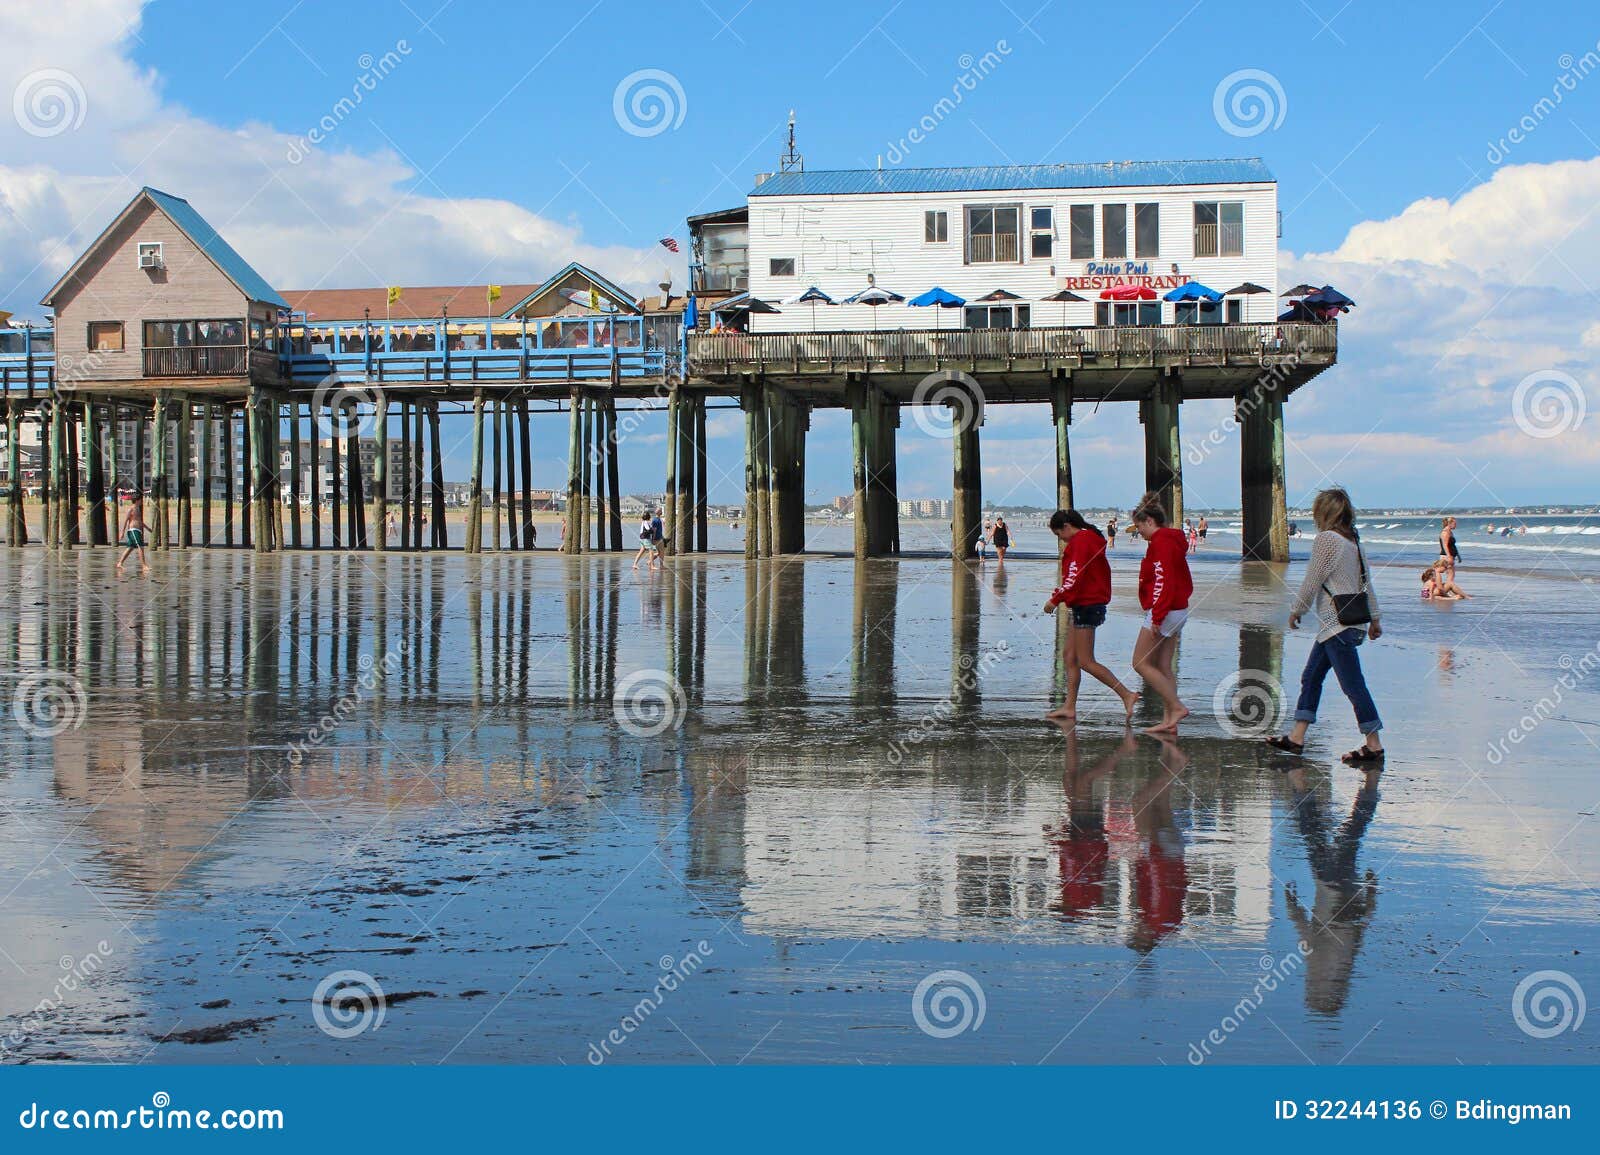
x=837, y=240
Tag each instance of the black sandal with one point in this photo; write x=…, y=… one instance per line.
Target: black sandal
x=1282, y=742
x=1363, y=756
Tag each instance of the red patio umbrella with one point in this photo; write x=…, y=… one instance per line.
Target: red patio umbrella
x=1128, y=293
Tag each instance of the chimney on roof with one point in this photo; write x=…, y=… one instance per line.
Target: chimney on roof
x=762, y=178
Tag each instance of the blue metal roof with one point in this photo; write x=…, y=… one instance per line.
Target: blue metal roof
x=989, y=178
x=199, y=230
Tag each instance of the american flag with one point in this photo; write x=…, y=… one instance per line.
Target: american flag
x=670, y=244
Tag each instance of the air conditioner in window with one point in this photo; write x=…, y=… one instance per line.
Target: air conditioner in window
x=150, y=257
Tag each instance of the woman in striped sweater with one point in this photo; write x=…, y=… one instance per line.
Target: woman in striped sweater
x=1337, y=569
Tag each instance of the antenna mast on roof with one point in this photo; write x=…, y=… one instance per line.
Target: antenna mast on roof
x=791, y=160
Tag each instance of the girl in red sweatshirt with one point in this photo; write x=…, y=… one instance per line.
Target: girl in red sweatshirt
x=1086, y=587
x=1164, y=589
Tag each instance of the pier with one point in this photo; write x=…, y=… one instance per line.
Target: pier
x=204, y=377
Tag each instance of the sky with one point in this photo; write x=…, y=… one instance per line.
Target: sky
x=1438, y=163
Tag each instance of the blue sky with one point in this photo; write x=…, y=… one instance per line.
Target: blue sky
x=490, y=150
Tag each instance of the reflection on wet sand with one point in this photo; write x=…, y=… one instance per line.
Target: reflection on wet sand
x=853, y=765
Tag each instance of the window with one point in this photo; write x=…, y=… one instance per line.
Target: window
x=1219, y=228
x=105, y=337
x=1199, y=312
x=997, y=316
x=1127, y=313
x=1147, y=230
x=781, y=266
x=1113, y=232
x=149, y=254
x=1082, y=228
x=993, y=233
x=935, y=226
x=1235, y=311
x=182, y=334
x=1041, y=231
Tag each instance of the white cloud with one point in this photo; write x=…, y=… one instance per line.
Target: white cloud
x=337, y=218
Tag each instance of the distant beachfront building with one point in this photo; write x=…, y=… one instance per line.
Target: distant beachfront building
x=1023, y=232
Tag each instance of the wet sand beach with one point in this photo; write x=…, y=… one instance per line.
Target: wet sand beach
x=549, y=810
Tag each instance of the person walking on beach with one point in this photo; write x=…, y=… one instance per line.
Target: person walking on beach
x=658, y=540
x=646, y=540
x=1164, y=589
x=1111, y=534
x=1086, y=587
x=1200, y=527
x=1002, y=539
x=983, y=539
x=132, y=533
x=1192, y=535
x=1447, y=544
x=1347, y=608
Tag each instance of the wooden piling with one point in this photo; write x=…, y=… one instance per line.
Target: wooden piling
x=295, y=540
x=335, y=468
x=1262, y=493
x=1163, y=449
x=50, y=476
x=416, y=474
x=441, y=537
x=586, y=474
x=207, y=417
x=498, y=418
x=74, y=497
x=966, y=505
x=351, y=428
x=95, y=464
x=1061, y=414
x=777, y=470
x=162, y=470
x=613, y=478
x=701, y=505
x=18, y=533
x=275, y=466
x=754, y=420
x=314, y=444
x=525, y=433
x=670, y=494
x=885, y=480
x=683, y=527
x=474, y=542
x=184, y=449
x=861, y=442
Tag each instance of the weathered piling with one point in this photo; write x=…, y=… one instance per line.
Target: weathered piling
x=1263, y=496
x=755, y=416
x=415, y=467
x=586, y=472
x=358, y=503
x=95, y=453
x=777, y=474
x=1163, y=449
x=613, y=476
x=18, y=533
x=207, y=434
x=885, y=477
x=861, y=436
x=74, y=503
x=1061, y=415
x=275, y=465
x=683, y=526
x=335, y=481
x=702, y=507
x=315, y=466
x=525, y=450
x=966, y=503
x=295, y=539
x=185, y=449
x=474, y=541
x=440, y=530
x=247, y=440
x=669, y=495
x=498, y=417
x=162, y=469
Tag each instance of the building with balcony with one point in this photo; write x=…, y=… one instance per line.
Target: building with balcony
x=159, y=299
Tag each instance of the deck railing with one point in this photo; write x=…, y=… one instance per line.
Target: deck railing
x=1086, y=345
x=198, y=361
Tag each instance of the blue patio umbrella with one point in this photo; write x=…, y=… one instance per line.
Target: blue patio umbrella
x=1192, y=291
x=937, y=299
x=1328, y=297
x=691, y=314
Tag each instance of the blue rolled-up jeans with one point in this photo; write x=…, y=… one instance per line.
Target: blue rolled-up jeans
x=1338, y=654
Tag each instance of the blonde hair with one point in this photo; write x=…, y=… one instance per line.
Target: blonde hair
x=1334, y=510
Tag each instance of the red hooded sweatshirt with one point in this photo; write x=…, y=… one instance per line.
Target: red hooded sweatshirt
x=1164, y=582
x=1085, y=573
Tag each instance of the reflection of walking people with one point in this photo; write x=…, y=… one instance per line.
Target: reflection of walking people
x=1086, y=587
x=1347, y=608
x=1083, y=849
x=1164, y=589
x=1332, y=930
x=132, y=533
x=1160, y=876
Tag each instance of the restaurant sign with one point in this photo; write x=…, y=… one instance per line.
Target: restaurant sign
x=1103, y=275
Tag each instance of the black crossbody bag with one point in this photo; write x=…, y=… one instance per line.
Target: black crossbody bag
x=1352, y=609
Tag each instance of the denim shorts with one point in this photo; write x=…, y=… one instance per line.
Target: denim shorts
x=1088, y=617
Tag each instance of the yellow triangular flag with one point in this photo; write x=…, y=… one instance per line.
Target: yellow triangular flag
x=394, y=293
x=494, y=293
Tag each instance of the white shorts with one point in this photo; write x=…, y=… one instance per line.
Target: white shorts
x=1170, y=625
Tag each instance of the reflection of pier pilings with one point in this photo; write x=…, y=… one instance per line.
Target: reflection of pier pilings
x=964, y=634
x=774, y=619
x=877, y=586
